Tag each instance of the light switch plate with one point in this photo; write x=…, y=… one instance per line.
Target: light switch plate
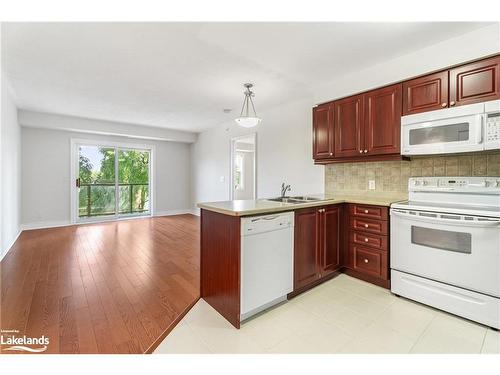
x=371, y=184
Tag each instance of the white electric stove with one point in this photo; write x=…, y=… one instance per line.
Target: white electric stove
x=445, y=246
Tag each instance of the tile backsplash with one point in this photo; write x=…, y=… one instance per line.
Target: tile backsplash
x=392, y=176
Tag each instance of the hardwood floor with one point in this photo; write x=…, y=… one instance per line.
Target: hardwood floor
x=117, y=287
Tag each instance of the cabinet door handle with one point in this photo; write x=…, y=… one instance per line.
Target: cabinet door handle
x=366, y=239
x=366, y=225
x=366, y=211
x=443, y=105
x=366, y=260
x=365, y=151
x=452, y=103
x=331, y=153
x=360, y=151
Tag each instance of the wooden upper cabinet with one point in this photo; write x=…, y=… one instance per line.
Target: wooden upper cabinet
x=330, y=252
x=425, y=93
x=369, y=124
x=382, y=124
x=305, y=248
x=348, y=114
x=323, y=134
x=475, y=82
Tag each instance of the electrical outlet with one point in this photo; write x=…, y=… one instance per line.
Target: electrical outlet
x=371, y=184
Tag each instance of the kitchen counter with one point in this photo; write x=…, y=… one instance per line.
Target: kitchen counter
x=262, y=206
x=325, y=232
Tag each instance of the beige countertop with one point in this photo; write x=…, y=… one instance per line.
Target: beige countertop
x=262, y=206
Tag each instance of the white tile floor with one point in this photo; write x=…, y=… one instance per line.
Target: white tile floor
x=343, y=315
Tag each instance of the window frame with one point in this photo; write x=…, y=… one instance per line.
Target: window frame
x=74, y=149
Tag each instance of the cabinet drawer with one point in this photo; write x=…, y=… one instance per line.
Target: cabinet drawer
x=368, y=239
x=367, y=225
x=370, y=261
x=372, y=212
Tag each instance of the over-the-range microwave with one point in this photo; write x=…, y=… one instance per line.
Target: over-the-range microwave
x=473, y=127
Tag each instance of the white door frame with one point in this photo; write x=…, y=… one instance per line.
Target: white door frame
x=231, y=163
x=74, y=143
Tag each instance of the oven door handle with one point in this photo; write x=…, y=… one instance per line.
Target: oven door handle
x=439, y=220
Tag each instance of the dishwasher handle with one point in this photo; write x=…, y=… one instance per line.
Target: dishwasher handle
x=264, y=218
x=266, y=223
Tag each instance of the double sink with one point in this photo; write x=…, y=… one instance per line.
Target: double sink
x=295, y=200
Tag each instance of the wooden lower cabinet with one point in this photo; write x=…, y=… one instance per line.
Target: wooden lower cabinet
x=350, y=238
x=367, y=254
x=317, y=244
x=330, y=251
x=369, y=261
x=305, y=249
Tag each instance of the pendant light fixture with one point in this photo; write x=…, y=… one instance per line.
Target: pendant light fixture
x=248, y=119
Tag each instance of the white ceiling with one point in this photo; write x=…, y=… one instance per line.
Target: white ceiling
x=182, y=75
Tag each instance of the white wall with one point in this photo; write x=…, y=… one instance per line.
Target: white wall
x=469, y=46
x=284, y=153
x=10, y=196
x=85, y=125
x=46, y=175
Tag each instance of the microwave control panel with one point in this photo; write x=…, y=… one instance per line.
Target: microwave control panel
x=492, y=131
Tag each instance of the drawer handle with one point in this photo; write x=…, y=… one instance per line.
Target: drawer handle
x=366, y=260
x=366, y=225
x=366, y=239
x=366, y=211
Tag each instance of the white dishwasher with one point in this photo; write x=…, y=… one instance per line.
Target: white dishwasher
x=266, y=261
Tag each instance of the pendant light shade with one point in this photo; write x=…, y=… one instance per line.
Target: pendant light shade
x=248, y=117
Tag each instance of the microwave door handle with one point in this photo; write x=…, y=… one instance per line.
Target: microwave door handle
x=439, y=220
x=479, y=129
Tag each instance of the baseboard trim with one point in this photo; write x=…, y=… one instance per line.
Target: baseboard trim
x=47, y=224
x=2, y=255
x=56, y=224
x=172, y=212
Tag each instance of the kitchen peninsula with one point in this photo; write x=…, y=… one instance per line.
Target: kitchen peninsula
x=329, y=235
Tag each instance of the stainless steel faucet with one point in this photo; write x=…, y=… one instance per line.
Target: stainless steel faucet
x=284, y=189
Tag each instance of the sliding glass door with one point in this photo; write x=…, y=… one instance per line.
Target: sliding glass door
x=112, y=181
x=133, y=181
